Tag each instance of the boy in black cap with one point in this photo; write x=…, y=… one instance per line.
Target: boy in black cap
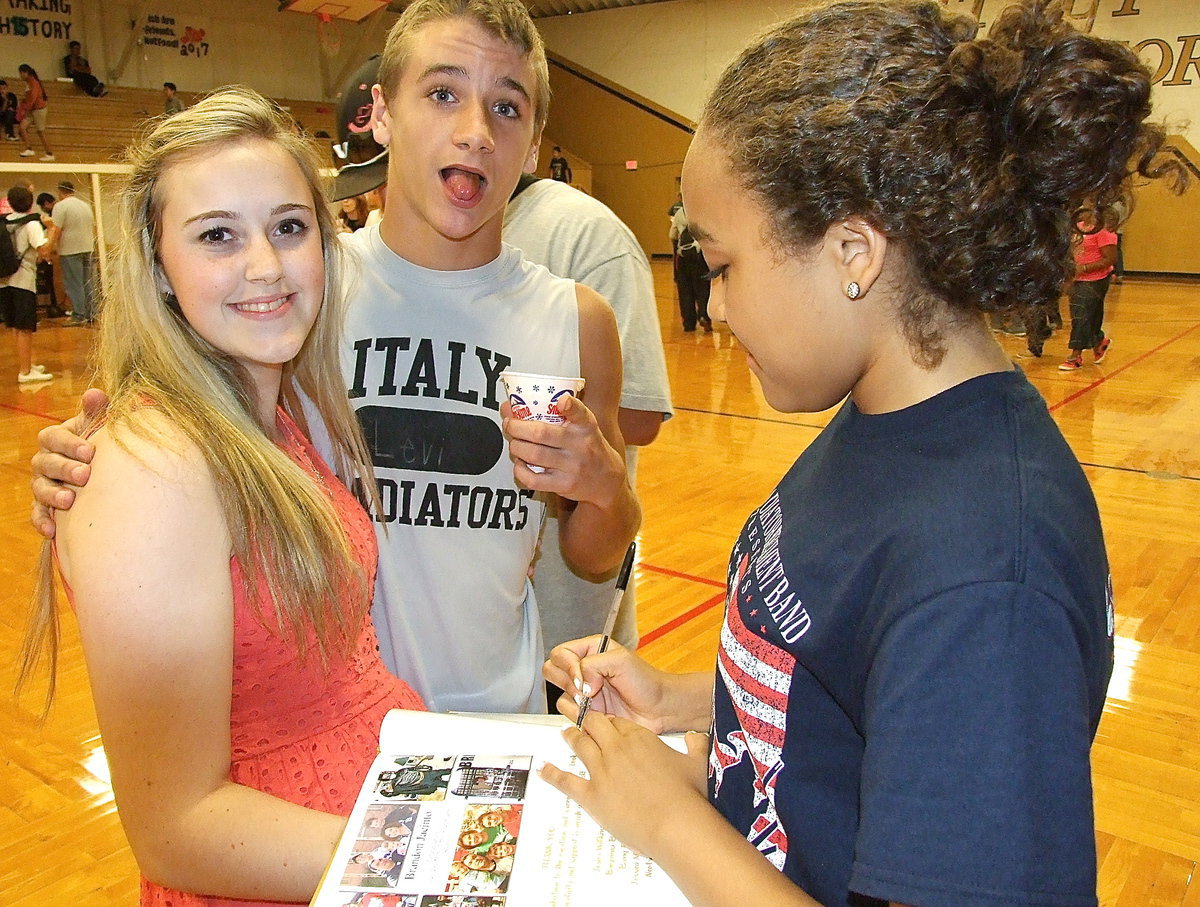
x=361, y=161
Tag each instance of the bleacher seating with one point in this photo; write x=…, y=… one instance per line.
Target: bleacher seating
x=83, y=129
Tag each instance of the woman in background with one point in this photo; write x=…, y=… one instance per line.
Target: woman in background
x=352, y=213
x=1095, y=254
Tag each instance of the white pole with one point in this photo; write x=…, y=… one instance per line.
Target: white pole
x=101, y=248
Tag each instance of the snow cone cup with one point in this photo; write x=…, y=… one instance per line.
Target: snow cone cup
x=536, y=397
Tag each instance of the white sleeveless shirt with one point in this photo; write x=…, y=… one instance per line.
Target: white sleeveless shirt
x=423, y=352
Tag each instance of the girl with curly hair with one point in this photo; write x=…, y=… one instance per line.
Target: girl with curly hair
x=918, y=627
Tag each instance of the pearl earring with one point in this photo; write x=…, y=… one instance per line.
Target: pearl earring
x=853, y=290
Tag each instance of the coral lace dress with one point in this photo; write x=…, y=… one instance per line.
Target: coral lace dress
x=302, y=732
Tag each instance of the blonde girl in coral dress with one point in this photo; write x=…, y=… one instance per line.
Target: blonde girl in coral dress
x=220, y=571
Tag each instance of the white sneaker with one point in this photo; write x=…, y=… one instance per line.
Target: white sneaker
x=46, y=157
x=40, y=369
x=28, y=152
x=32, y=376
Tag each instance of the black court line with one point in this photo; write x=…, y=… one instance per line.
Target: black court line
x=717, y=412
x=1161, y=475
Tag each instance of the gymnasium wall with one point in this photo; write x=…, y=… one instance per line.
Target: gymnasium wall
x=197, y=44
x=664, y=56
x=616, y=131
x=672, y=53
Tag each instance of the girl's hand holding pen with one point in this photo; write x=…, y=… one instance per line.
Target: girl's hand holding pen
x=620, y=683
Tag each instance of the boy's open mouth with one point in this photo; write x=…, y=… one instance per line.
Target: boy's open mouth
x=464, y=185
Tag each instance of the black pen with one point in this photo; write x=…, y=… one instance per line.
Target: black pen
x=611, y=620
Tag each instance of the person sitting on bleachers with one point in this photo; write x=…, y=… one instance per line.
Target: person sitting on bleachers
x=79, y=71
x=172, y=104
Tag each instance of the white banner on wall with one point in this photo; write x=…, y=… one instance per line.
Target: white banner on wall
x=176, y=36
x=177, y=47
x=673, y=53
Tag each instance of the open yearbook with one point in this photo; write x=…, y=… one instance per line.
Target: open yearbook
x=453, y=812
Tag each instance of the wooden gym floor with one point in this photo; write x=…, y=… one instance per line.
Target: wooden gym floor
x=1132, y=422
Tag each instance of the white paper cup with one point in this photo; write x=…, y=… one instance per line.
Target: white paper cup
x=536, y=397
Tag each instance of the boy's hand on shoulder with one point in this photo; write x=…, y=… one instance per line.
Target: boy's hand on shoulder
x=61, y=463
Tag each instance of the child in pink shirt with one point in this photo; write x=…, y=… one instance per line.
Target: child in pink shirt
x=1095, y=258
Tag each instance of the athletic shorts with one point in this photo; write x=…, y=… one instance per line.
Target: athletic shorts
x=19, y=308
x=38, y=118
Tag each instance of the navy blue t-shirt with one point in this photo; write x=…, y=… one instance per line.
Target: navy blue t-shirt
x=917, y=643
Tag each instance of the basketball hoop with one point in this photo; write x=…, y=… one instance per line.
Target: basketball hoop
x=329, y=34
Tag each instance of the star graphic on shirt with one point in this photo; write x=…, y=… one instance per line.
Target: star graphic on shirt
x=754, y=613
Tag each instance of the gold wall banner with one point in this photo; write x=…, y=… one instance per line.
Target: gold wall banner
x=178, y=46
x=1165, y=34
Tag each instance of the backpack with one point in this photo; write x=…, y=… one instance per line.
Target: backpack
x=10, y=261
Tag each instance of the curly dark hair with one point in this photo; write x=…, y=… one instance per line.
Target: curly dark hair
x=20, y=199
x=973, y=154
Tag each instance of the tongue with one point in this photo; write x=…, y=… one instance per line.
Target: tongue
x=464, y=186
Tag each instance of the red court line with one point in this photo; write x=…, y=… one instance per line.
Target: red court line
x=26, y=412
x=659, y=632
x=1095, y=384
x=720, y=584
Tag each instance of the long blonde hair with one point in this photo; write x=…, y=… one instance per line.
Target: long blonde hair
x=281, y=524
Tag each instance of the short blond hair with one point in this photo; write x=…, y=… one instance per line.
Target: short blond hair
x=508, y=20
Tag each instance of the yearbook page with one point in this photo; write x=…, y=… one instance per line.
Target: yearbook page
x=453, y=813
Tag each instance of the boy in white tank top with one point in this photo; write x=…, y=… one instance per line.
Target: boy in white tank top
x=441, y=308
